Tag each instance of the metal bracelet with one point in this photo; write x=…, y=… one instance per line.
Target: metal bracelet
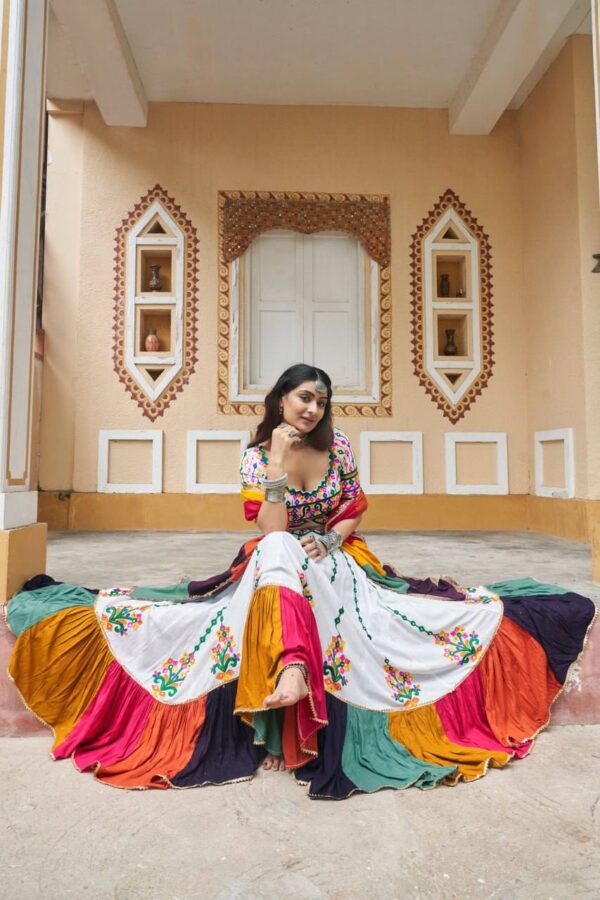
x=276, y=482
x=331, y=541
x=275, y=495
x=275, y=488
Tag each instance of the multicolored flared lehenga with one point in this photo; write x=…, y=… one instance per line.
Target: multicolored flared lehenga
x=410, y=682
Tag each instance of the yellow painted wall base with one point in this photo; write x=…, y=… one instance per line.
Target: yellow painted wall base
x=141, y=512
x=22, y=555
x=401, y=512
x=578, y=520
x=572, y=519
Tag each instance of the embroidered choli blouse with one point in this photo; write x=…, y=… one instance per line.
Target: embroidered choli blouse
x=340, y=485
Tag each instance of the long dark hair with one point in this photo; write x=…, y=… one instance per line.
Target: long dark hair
x=321, y=436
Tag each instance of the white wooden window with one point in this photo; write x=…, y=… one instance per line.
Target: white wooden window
x=307, y=298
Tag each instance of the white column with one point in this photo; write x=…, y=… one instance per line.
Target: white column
x=23, y=26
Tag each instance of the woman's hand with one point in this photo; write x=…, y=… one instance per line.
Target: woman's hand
x=313, y=547
x=283, y=439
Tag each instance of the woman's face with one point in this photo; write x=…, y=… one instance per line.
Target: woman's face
x=304, y=407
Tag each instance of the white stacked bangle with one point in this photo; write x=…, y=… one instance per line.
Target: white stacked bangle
x=275, y=489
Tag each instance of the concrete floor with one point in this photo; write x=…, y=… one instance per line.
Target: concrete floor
x=530, y=831
x=102, y=559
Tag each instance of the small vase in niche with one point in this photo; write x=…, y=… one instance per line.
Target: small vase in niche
x=155, y=284
x=152, y=343
x=460, y=292
x=450, y=349
x=444, y=286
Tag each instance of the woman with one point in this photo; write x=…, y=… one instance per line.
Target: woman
x=306, y=653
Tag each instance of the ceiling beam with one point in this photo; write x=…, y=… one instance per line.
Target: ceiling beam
x=96, y=34
x=524, y=36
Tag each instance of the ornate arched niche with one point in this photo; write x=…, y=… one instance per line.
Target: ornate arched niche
x=452, y=306
x=246, y=215
x=156, y=281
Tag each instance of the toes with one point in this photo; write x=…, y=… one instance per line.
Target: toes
x=273, y=764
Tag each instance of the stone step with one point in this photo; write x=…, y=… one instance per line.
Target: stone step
x=579, y=703
x=15, y=718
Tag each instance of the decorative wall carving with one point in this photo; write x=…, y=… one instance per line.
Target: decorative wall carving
x=155, y=380
x=451, y=240
x=243, y=215
x=248, y=214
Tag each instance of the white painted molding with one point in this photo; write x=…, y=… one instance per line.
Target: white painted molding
x=451, y=439
x=173, y=362
x=193, y=439
x=415, y=438
x=434, y=364
x=106, y=437
x=557, y=491
x=100, y=44
x=522, y=40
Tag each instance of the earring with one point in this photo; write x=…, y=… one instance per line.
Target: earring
x=281, y=410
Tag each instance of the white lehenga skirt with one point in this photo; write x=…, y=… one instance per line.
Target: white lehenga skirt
x=381, y=650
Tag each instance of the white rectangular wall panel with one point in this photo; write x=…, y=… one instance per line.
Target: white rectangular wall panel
x=415, y=438
x=193, y=438
x=500, y=486
x=105, y=438
x=567, y=489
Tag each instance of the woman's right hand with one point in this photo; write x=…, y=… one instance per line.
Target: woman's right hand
x=283, y=439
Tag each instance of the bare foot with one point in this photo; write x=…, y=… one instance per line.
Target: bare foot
x=273, y=764
x=291, y=688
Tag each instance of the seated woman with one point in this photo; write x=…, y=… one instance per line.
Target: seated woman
x=306, y=653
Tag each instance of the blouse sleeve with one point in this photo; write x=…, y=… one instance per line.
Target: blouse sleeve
x=252, y=474
x=252, y=467
x=351, y=488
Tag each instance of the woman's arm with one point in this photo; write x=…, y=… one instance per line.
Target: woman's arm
x=273, y=516
x=347, y=526
x=316, y=550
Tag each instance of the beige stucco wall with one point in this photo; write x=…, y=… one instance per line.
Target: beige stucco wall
x=531, y=183
x=561, y=230
x=195, y=150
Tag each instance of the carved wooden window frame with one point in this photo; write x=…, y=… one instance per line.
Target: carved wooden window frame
x=453, y=403
x=152, y=403
x=243, y=215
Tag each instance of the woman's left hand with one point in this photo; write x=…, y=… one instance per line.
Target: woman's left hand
x=313, y=547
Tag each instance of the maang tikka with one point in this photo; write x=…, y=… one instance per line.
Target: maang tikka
x=320, y=385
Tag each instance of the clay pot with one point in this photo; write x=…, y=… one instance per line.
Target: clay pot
x=152, y=343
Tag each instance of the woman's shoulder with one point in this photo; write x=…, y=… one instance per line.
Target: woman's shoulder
x=253, y=462
x=340, y=446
